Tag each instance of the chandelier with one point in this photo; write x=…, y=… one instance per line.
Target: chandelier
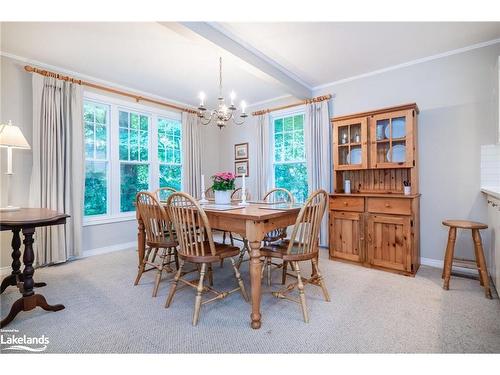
x=223, y=114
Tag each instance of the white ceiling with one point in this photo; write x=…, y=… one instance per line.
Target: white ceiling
x=324, y=52
x=173, y=62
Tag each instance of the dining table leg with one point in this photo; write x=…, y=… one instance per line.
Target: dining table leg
x=255, y=234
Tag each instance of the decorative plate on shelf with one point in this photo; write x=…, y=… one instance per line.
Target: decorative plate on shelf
x=354, y=157
x=398, y=154
x=398, y=128
x=381, y=129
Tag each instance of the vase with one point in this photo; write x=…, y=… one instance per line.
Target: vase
x=222, y=196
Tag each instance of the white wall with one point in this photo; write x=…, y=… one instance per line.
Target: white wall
x=16, y=105
x=457, y=97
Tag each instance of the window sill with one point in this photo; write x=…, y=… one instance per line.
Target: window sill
x=89, y=221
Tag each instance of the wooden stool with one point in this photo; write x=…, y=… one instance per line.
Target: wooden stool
x=478, y=251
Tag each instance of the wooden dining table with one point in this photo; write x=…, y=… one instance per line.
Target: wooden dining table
x=253, y=222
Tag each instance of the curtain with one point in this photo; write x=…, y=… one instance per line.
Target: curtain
x=263, y=175
x=57, y=179
x=317, y=142
x=191, y=154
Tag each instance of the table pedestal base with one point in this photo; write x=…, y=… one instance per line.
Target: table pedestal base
x=14, y=280
x=27, y=304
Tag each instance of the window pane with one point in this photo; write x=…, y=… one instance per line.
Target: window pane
x=293, y=177
x=100, y=139
x=133, y=178
x=123, y=144
x=288, y=124
x=134, y=145
x=95, y=188
x=170, y=176
x=88, y=112
x=144, y=145
x=123, y=119
x=89, y=140
x=278, y=125
x=134, y=121
x=144, y=123
x=298, y=122
x=100, y=114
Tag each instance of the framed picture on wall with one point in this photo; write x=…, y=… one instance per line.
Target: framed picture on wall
x=241, y=168
x=241, y=151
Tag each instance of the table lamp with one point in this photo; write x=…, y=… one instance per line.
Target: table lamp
x=11, y=137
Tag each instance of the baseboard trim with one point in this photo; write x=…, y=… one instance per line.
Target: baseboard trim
x=109, y=249
x=437, y=263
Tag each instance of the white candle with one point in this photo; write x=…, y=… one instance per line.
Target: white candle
x=233, y=96
x=243, y=183
x=202, y=183
x=243, y=106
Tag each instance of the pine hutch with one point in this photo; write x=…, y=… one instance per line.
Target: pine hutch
x=376, y=225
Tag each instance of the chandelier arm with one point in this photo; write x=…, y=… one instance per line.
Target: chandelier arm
x=238, y=122
x=206, y=120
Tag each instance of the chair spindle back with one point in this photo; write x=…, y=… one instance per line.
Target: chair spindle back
x=163, y=193
x=305, y=234
x=155, y=218
x=279, y=195
x=237, y=194
x=194, y=233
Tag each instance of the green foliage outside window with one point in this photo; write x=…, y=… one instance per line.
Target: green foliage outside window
x=290, y=170
x=133, y=178
x=95, y=137
x=169, y=153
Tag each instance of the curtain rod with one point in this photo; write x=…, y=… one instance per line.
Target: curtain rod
x=137, y=98
x=305, y=101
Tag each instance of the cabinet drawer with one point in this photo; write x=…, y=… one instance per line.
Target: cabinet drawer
x=356, y=204
x=389, y=206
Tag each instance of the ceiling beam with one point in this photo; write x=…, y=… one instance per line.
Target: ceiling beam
x=234, y=45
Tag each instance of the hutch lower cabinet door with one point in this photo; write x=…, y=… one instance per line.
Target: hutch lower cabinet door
x=346, y=235
x=389, y=241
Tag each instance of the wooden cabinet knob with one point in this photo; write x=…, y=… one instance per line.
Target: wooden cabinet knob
x=387, y=204
x=345, y=203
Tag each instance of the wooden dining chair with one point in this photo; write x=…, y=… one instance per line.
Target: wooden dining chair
x=198, y=247
x=163, y=193
x=160, y=242
x=209, y=193
x=276, y=195
x=302, y=246
x=238, y=193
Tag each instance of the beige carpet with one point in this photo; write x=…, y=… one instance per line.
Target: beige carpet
x=371, y=311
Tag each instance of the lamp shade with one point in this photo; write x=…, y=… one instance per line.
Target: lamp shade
x=11, y=136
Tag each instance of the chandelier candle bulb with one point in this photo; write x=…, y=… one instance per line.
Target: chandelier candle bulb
x=243, y=107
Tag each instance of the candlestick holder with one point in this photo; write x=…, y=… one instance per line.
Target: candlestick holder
x=243, y=198
x=203, y=199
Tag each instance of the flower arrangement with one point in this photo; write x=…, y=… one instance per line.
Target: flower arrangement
x=223, y=181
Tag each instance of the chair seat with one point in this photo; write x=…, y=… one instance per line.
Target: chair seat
x=280, y=250
x=464, y=224
x=221, y=252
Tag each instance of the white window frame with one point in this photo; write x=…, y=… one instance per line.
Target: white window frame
x=276, y=116
x=115, y=104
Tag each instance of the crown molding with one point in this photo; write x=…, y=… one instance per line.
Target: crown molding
x=40, y=64
x=409, y=63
